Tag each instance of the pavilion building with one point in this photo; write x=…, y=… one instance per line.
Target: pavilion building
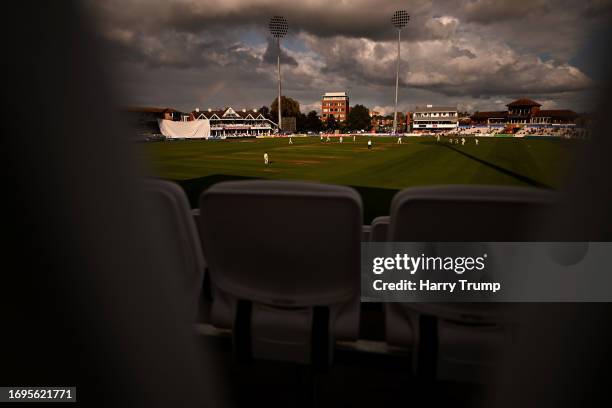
x=231, y=123
x=523, y=112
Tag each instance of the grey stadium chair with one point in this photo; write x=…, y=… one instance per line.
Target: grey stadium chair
x=459, y=341
x=284, y=261
x=196, y=219
x=365, y=233
x=169, y=199
x=206, y=297
x=380, y=229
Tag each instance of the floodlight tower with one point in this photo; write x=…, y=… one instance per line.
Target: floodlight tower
x=400, y=20
x=278, y=28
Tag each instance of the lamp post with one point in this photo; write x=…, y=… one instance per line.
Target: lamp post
x=399, y=20
x=278, y=28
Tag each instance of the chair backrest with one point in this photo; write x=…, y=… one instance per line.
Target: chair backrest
x=469, y=213
x=284, y=260
x=195, y=213
x=170, y=200
x=282, y=243
x=460, y=341
x=365, y=233
x=380, y=229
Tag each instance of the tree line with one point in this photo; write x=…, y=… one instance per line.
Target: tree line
x=358, y=118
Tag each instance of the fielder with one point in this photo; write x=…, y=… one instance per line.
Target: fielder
x=438, y=138
x=290, y=140
x=463, y=141
x=476, y=141
x=328, y=139
x=370, y=144
x=399, y=140
x=340, y=139
x=266, y=158
x=353, y=138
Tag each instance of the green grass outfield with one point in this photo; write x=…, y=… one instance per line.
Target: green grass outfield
x=377, y=174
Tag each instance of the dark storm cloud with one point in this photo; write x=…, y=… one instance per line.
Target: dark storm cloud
x=358, y=18
x=457, y=52
x=494, y=11
x=193, y=51
x=177, y=50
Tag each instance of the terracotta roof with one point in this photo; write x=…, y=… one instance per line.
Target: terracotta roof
x=524, y=102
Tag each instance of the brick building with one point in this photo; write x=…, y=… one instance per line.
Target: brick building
x=336, y=104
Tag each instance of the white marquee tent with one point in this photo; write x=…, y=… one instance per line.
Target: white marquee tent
x=195, y=129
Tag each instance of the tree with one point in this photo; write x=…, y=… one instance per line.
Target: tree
x=343, y=126
x=401, y=122
x=265, y=111
x=331, y=123
x=301, y=123
x=313, y=122
x=290, y=107
x=359, y=118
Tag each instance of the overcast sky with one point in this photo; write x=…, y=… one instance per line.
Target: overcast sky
x=476, y=54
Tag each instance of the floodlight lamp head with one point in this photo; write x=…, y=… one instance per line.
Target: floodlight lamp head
x=278, y=26
x=400, y=19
